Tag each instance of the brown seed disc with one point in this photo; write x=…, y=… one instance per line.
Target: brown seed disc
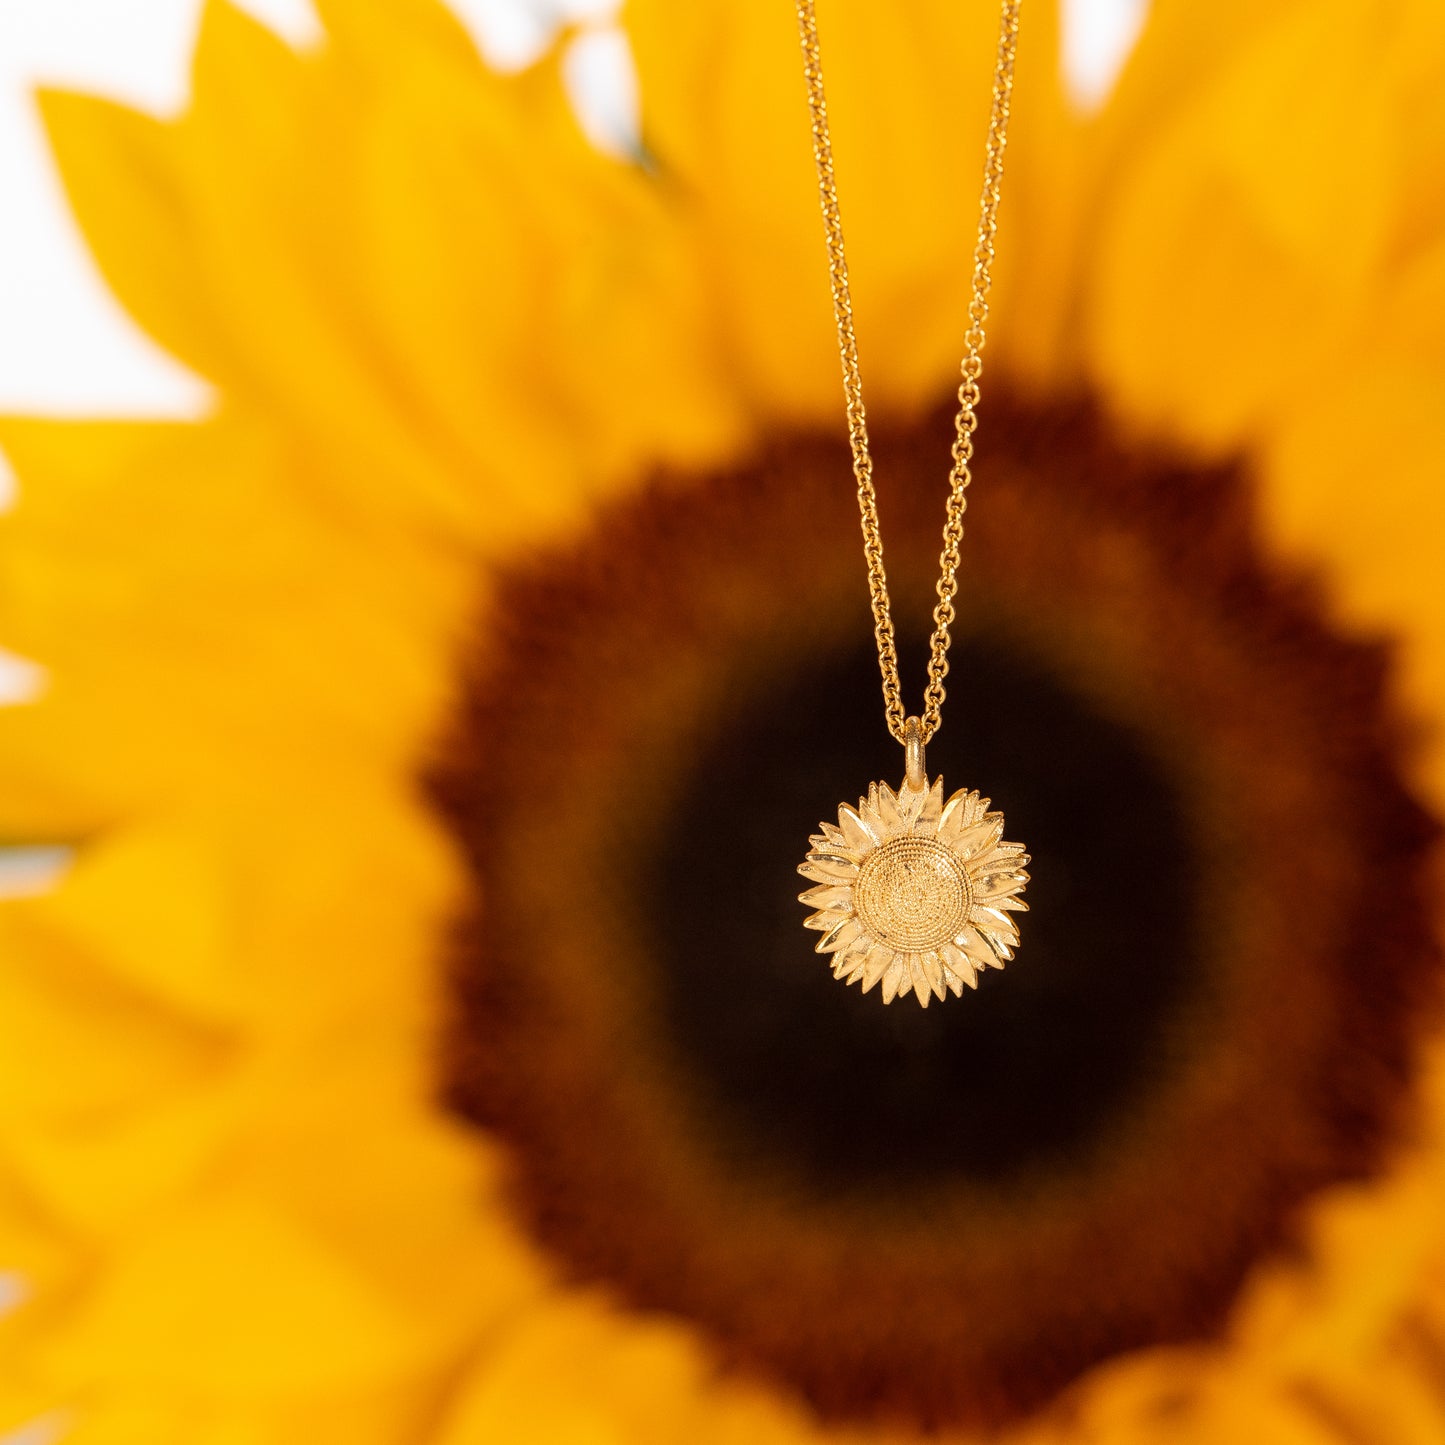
x=1229, y=961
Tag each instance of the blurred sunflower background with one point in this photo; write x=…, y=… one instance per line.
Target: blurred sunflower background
x=406, y=1030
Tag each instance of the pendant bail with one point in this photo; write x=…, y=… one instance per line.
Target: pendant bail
x=916, y=776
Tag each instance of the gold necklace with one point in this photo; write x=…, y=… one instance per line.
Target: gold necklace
x=914, y=893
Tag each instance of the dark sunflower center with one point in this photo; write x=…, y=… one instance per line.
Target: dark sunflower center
x=1038, y=1061
x=1210, y=1017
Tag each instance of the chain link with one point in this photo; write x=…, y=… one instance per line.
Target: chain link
x=971, y=369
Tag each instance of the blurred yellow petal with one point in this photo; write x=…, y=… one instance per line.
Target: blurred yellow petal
x=98, y=1175
x=161, y=914
x=1325, y=465
x=1352, y=1282
x=216, y=511
x=236, y=1299
x=410, y=1200
x=1054, y=172
x=371, y=301
x=108, y=1094
x=372, y=35
x=376, y=1414
x=121, y=182
x=1193, y=1398
x=271, y=1328
x=622, y=1387
x=735, y=147
x=77, y=1044
x=1247, y=237
x=1411, y=307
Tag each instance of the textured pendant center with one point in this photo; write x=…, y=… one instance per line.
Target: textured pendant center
x=913, y=894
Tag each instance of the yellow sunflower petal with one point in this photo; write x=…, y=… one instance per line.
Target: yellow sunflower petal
x=1232, y=256
x=414, y=1202
x=372, y=35
x=400, y=306
x=1190, y=1398
x=218, y=512
x=160, y=911
x=628, y=1382
x=235, y=1299
x=107, y=1095
x=199, y=1008
x=1179, y=54
x=908, y=100
x=98, y=1176
x=127, y=198
x=1360, y=490
x=1420, y=220
x=77, y=1043
x=1342, y=1299
x=376, y=1415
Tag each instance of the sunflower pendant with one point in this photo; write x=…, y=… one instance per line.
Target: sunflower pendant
x=914, y=892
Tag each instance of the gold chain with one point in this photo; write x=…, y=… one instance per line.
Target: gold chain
x=971, y=367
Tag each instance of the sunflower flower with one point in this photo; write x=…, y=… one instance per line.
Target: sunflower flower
x=420, y=1044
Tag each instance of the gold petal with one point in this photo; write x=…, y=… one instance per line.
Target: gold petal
x=857, y=836
x=833, y=870
x=825, y=919
x=932, y=971
x=998, y=885
x=833, y=834
x=910, y=804
x=978, y=949
x=872, y=818
x=878, y=958
x=990, y=920
x=894, y=976
x=828, y=895
x=889, y=812
x=974, y=809
x=957, y=814
x=1008, y=903
x=839, y=856
x=979, y=837
x=922, y=990
x=930, y=809
x=1004, y=858
x=816, y=874
x=952, y=956
x=953, y=981
x=841, y=935
x=1000, y=946
x=905, y=977
x=959, y=964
